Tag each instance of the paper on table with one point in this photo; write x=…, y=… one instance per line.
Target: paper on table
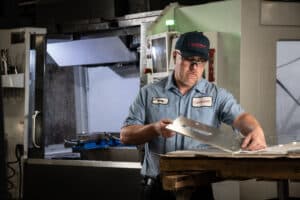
x=290, y=150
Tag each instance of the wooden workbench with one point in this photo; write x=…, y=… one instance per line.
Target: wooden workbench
x=184, y=170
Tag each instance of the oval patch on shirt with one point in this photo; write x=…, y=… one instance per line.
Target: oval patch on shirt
x=160, y=100
x=202, y=102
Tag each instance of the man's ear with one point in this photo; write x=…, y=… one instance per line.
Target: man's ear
x=174, y=56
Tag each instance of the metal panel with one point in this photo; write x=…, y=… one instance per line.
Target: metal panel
x=81, y=180
x=90, y=52
x=280, y=13
x=36, y=68
x=31, y=93
x=86, y=163
x=229, y=142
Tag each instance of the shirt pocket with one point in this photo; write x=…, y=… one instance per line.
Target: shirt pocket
x=156, y=112
x=206, y=115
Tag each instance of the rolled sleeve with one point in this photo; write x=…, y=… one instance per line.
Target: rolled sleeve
x=229, y=109
x=136, y=114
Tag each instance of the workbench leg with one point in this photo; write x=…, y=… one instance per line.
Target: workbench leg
x=184, y=194
x=283, y=189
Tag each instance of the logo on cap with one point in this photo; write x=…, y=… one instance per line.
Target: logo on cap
x=199, y=45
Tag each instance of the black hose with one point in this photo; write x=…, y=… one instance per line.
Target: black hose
x=11, y=185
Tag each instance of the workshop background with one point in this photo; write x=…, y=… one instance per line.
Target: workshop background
x=64, y=102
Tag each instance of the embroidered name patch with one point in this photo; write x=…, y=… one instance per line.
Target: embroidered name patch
x=160, y=100
x=202, y=102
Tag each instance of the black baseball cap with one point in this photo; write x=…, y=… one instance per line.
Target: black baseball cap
x=193, y=44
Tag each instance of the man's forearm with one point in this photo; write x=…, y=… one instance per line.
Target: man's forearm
x=138, y=134
x=246, y=123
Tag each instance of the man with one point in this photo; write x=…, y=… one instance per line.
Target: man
x=185, y=93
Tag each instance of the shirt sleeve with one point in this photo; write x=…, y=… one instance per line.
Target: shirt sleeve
x=229, y=109
x=136, y=114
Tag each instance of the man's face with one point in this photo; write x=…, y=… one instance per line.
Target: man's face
x=188, y=70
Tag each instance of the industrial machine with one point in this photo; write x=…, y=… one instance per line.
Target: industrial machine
x=65, y=99
x=56, y=97
x=22, y=63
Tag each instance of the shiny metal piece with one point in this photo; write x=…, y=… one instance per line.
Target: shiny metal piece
x=229, y=142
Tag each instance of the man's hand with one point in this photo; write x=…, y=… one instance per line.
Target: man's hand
x=255, y=140
x=251, y=129
x=160, y=128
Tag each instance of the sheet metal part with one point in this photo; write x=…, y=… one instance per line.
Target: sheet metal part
x=229, y=142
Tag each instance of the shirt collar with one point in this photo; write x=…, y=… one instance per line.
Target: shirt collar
x=200, y=85
x=171, y=82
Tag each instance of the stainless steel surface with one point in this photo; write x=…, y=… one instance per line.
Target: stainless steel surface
x=87, y=163
x=136, y=22
x=31, y=91
x=141, y=15
x=54, y=179
x=138, y=19
x=229, y=142
x=81, y=102
x=90, y=52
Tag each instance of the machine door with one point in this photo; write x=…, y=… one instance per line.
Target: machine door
x=36, y=84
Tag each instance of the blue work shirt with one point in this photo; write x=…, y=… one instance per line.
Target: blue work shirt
x=205, y=103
